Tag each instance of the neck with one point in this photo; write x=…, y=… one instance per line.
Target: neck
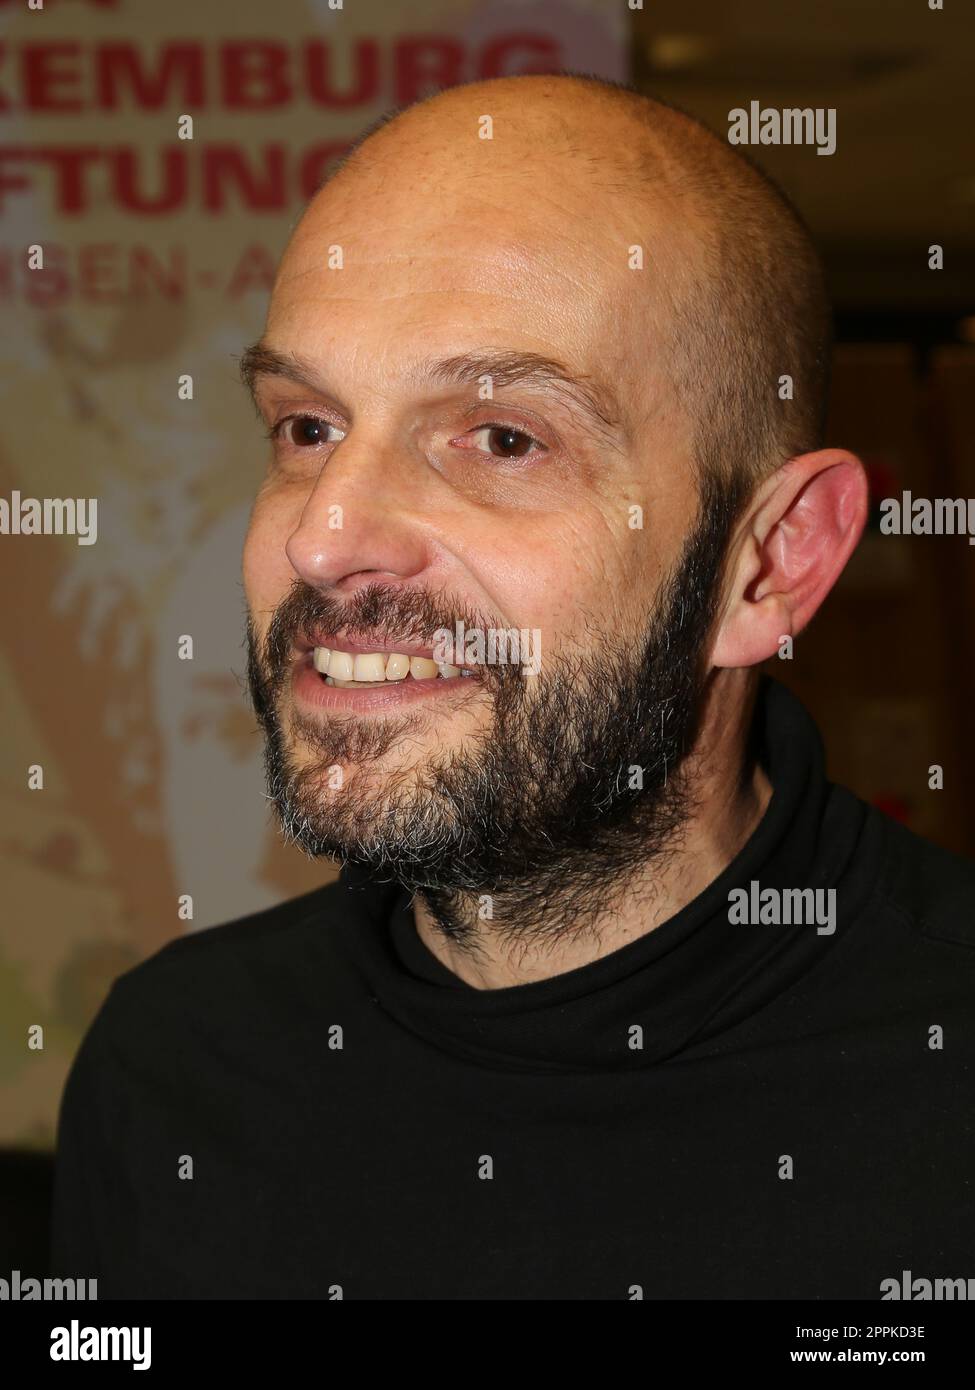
x=729, y=793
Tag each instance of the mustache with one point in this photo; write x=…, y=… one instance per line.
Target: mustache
x=378, y=612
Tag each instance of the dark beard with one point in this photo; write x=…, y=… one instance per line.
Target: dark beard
x=580, y=780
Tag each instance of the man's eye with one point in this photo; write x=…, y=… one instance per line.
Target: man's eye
x=305, y=431
x=504, y=442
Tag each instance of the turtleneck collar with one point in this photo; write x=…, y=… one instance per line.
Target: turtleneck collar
x=682, y=984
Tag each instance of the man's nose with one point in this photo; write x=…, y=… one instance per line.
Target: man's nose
x=362, y=519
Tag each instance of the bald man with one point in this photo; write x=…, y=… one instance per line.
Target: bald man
x=616, y=996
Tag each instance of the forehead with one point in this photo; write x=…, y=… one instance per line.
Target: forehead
x=542, y=266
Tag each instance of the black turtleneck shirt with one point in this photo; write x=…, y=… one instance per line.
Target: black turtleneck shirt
x=307, y=1104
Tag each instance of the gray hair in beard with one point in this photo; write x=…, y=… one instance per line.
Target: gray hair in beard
x=579, y=778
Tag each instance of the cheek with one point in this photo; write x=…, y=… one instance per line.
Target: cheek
x=547, y=573
x=267, y=572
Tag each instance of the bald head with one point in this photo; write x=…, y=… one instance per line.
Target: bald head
x=731, y=287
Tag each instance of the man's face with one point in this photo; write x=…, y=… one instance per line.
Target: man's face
x=421, y=481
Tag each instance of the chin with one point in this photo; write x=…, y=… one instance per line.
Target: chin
x=345, y=777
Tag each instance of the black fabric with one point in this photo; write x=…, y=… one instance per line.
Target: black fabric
x=364, y=1124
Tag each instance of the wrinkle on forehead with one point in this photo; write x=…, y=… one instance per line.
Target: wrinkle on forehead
x=418, y=231
x=575, y=265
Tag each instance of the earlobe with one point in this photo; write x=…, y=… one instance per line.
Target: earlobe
x=753, y=630
x=807, y=522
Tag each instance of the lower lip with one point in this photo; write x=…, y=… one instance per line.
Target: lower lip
x=310, y=688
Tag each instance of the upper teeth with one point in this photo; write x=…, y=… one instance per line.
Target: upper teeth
x=377, y=666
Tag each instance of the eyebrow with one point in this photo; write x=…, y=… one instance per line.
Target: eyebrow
x=505, y=368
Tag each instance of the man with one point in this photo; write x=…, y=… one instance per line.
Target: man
x=616, y=996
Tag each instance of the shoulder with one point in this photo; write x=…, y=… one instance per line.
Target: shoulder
x=250, y=990
x=272, y=926
x=931, y=888
x=241, y=975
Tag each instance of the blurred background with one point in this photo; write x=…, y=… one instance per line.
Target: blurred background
x=158, y=257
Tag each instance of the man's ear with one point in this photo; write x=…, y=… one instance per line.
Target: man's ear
x=802, y=527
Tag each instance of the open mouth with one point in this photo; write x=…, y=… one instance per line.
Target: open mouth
x=361, y=669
